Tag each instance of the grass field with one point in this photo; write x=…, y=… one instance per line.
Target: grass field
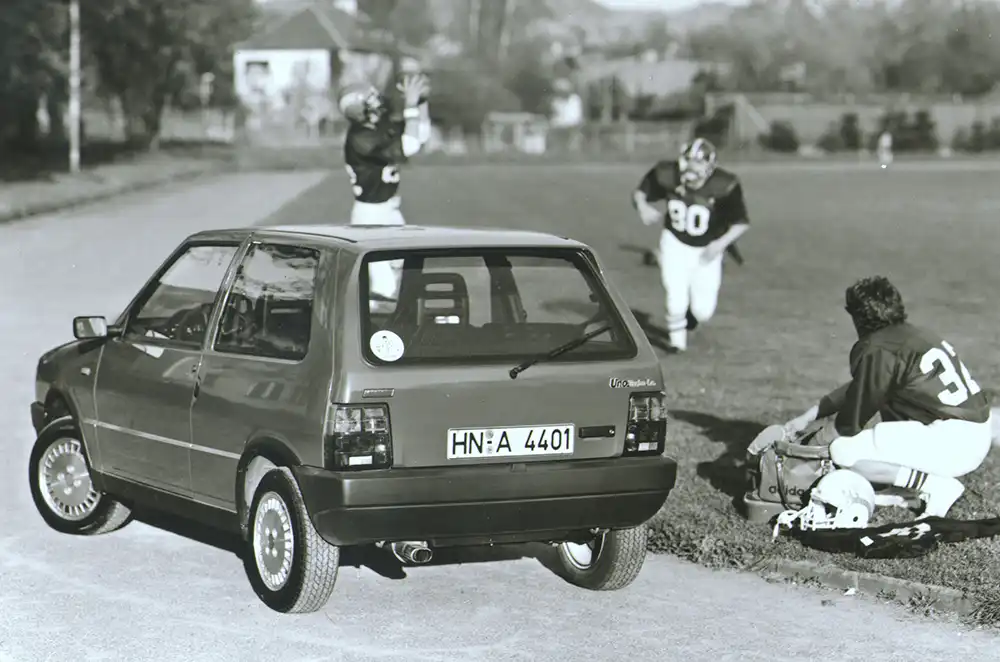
x=780, y=338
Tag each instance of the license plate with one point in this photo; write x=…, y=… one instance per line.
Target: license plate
x=521, y=441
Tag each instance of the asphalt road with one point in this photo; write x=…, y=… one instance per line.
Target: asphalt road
x=144, y=593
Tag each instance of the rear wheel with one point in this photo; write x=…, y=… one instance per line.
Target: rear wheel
x=611, y=561
x=63, y=492
x=291, y=568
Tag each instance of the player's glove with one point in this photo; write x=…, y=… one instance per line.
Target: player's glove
x=650, y=216
x=769, y=436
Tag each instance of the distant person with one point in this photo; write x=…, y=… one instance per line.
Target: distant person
x=885, y=149
x=706, y=214
x=936, y=420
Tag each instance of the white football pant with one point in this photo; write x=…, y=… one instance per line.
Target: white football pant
x=383, y=277
x=688, y=285
x=936, y=455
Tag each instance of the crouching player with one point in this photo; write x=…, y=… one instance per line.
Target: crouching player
x=935, y=424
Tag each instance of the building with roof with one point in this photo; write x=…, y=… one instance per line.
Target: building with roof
x=288, y=74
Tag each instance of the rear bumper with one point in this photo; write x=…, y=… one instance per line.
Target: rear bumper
x=473, y=505
x=37, y=416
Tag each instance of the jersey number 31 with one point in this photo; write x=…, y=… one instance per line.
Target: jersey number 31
x=690, y=219
x=958, y=387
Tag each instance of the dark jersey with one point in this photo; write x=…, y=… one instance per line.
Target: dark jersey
x=906, y=373
x=372, y=157
x=696, y=217
x=898, y=540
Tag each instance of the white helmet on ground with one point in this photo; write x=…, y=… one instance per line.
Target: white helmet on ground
x=842, y=499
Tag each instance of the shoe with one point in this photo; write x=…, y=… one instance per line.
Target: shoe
x=940, y=494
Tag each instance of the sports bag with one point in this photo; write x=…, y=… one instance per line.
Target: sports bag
x=780, y=478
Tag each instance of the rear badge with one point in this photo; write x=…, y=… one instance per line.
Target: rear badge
x=378, y=392
x=618, y=382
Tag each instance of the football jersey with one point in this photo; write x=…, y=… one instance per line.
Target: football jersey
x=898, y=540
x=372, y=156
x=907, y=373
x=697, y=217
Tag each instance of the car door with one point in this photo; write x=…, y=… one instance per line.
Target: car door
x=146, y=376
x=255, y=379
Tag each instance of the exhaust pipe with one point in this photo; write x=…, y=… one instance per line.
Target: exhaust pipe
x=415, y=552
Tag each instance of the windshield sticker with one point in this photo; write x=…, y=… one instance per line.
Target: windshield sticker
x=386, y=346
x=618, y=382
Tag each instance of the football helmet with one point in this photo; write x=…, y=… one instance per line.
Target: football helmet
x=363, y=103
x=842, y=499
x=697, y=162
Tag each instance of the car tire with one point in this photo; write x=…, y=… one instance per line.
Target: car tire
x=62, y=488
x=614, y=560
x=291, y=581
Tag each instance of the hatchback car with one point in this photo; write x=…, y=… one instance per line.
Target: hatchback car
x=320, y=387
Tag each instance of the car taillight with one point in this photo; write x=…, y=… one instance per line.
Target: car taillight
x=646, y=432
x=357, y=437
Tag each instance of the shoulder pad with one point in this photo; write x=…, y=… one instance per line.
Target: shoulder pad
x=667, y=173
x=727, y=179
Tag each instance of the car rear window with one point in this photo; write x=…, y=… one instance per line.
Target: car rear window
x=485, y=305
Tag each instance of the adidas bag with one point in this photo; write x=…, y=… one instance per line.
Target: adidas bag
x=780, y=478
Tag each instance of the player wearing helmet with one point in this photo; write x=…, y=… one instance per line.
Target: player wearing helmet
x=705, y=214
x=376, y=146
x=936, y=423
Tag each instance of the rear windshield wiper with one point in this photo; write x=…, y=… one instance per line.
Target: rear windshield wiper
x=558, y=351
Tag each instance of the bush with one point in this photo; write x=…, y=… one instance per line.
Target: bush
x=832, y=140
x=850, y=131
x=781, y=137
x=977, y=137
x=918, y=134
x=716, y=127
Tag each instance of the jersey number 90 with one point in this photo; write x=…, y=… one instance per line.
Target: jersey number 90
x=959, y=384
x=689, y=219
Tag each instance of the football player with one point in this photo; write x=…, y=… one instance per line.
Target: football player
x=706, y=213
x=376, y=146
x=936, y=421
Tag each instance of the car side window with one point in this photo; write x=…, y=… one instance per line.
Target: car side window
x=268, y=312
x=180, y=304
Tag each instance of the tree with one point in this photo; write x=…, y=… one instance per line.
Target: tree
x=141, y=46
x=32, y=64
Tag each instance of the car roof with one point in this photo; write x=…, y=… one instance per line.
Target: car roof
x=373, y=237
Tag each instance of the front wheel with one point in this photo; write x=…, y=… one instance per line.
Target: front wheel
x=611, y=561
x=63, y=492
x=291, y=568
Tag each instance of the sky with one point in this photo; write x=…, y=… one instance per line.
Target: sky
x=668, y=5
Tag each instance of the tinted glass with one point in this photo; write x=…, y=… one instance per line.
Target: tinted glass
x=181, y=302
x=485, y=306
x=268, y=313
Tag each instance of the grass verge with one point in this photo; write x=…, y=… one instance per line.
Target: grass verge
x=780, y=338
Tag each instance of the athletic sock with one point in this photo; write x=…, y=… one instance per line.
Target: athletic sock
x=911, y=479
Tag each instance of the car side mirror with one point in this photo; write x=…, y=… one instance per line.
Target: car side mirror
x=90, y=328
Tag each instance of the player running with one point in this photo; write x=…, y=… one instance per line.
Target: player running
x=376, y=147
x=936, y=424
x=705, y=214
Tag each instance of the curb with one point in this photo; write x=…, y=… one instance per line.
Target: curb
x=17, y=214
x=898, y=590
